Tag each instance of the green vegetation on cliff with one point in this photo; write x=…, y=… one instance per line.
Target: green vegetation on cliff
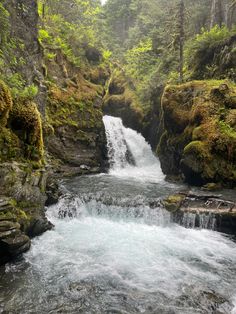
x=200, y=134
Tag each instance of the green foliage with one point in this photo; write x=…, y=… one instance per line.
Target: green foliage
x=200, y=58
x=207, y=39
x=4, y=22
x=71, y=26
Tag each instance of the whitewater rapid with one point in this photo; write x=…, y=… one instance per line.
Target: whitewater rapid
x=114, y=249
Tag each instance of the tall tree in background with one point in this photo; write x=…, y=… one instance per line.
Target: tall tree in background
x=180, y=37
x=231, y=13
x=217, y=13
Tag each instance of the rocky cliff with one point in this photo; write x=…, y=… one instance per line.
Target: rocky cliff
x=75, y=134
x=50, y=126
x=199, y=138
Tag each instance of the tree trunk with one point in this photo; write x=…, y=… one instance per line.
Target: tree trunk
x=181, y=39
x=231, y=13
x=217, y=13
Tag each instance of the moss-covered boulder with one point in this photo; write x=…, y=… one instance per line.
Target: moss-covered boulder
x=26, y=123
x=121, y=101
x=21, y=136
x=199, y=138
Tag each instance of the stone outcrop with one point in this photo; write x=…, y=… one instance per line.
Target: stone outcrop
x=121, y=101
x=74, y=131
x=57, y=131
x=202, y=211
x=22, y=215
x=199, y=138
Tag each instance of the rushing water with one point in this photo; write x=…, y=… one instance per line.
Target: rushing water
x=115, y=250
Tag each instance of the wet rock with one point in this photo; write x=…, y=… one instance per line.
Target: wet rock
x=22, y=213
x=173, y=202
x=212, y=187
x=200, y=206
x=12, y=240
x=8, y=225
x=52, y=191
x=39, y=226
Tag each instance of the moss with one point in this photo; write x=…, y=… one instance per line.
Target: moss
x=10, y=145
x=121, y=100
x=77, y=108
x=173, y=202
x=25, y=121
x=16, y=213
x=200, y=135
x=199, y=148
x=5, y=103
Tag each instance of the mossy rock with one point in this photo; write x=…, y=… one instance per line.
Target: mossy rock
x=5, y=103
x=10, y=145
x=173, y=202
x=199, y=136
x=25, y=121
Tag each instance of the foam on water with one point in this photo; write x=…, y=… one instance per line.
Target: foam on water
x=166, y=261
x=115, y=250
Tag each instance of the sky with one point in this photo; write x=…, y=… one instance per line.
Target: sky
x=103, y=1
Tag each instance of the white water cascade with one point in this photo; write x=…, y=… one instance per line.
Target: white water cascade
x=129, y=154
x=115, y=250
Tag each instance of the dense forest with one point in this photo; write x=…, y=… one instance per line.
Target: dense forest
x=117, y=138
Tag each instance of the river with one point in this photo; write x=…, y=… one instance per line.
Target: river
x=114, y=248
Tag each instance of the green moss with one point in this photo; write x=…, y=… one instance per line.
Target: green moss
x=16, y=213
x=5, y=103
x=198, y=148
x=10, y=145
x=173, y=202
x=27, y=124
x=200, y=134
x=227, y=130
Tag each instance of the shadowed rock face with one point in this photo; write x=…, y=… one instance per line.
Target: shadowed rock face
x=204, y=210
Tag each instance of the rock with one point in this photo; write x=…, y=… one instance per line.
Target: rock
x=173, y=202
x=12, y=240
x=22, y=211
x=39, y=226
x=8, y=225
x=198, y=141
x=52, y=191
x=203, y=205
x=212, y=187
x=24, y=20
x=121, y=101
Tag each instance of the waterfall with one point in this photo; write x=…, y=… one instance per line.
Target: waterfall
x=129, y=154
x=197, y=220
x=117, y=146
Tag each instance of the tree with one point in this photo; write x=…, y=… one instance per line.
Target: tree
x=218, y=14
x=180, y=28
x=231, y=13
